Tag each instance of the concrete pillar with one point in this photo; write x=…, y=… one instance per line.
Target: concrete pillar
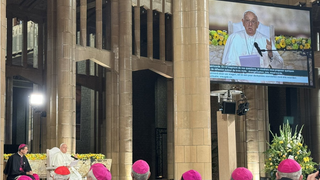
x=3, y=29
x=51, y=75
x=66, y=71
x=137, y=30
x=170, y=126
x=112, y=91
x=9, y=40
x=150, y=31
x=99, y=24
x=125, y=89
x=192, y=124
x=83, y=22
x=162, y=34
x=8, y=120
x=256, y=131
x=61, y=75
x=315, y=117
x=25, y=43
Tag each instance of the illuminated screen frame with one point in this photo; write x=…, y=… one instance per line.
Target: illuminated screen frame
x=297, y=71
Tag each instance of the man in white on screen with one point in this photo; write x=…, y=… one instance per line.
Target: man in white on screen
x=242, y=43
x=63, y=158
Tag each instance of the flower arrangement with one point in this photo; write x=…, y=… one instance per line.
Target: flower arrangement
x=284, y=42
x=287, y=145
x=44, y=156
x=218, y=37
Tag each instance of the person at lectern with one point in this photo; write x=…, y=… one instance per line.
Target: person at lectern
x=250, y=42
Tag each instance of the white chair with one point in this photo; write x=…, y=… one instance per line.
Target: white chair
x=50, y=168
x=263, y=29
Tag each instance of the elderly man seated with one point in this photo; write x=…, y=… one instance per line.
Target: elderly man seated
x=63, y=158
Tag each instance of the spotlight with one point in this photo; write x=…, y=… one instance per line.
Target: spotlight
x=243, y=108
x=301, y=4
x=315, y=2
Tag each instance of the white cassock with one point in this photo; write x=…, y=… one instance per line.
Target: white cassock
x=240, y=44
x=64, y=159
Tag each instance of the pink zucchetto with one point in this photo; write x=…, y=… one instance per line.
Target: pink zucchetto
x=191, y=175
x=21, y=146
x=140, y=167
x=96, y=165
x=23, y=177
x=289, y=166
x=241, y=173
x=100, y=172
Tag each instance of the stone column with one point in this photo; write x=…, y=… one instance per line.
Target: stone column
x=170, y=132
x=66, y=71
x=125, y=88
x=3, y=29
x=315, y=116
x=150, y=31
x=98, y=24
x=8, y=120
x=256, y=121
x=83, y=23
x=162, y=34
x=192, y=124
x=112, y=95
x=137, y=30
x=51, y=75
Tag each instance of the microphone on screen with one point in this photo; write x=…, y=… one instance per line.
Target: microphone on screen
x=258, y=48
x=74, y=157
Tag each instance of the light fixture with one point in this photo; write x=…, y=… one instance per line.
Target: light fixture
x=36, y=99
x=243, y=106
x=301, y=4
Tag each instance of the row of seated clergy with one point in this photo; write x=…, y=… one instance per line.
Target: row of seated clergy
x=59, y=157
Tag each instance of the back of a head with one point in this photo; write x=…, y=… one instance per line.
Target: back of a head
x=23, y=177
x=99, y=172
x=290, y=169
x=61, y=173
x=140, y=170
x=191, y=175
x=241, y=173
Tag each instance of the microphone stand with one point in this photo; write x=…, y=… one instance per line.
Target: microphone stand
x=304, y=52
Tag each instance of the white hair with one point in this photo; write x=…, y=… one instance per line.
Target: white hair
x=60, y=177
x=91, y=175
x=244, y=14
x=293, y=176
x=62, y=144
x=138, y=176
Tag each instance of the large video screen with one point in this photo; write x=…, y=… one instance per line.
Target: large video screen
x=260, y=43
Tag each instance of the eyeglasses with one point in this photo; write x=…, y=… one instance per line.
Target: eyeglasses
x=246, y=21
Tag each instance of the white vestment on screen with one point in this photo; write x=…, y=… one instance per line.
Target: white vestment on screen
x=64, y=159
x=240, y=44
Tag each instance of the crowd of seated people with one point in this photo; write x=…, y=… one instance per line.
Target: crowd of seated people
x=18, y=168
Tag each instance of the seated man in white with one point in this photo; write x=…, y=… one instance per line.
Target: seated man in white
x=63, y=158
x=241, y=43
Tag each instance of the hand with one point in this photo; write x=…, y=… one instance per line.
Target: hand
x=29, y=173
x=313, y=176
x=269, y=48
x=76, y=155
